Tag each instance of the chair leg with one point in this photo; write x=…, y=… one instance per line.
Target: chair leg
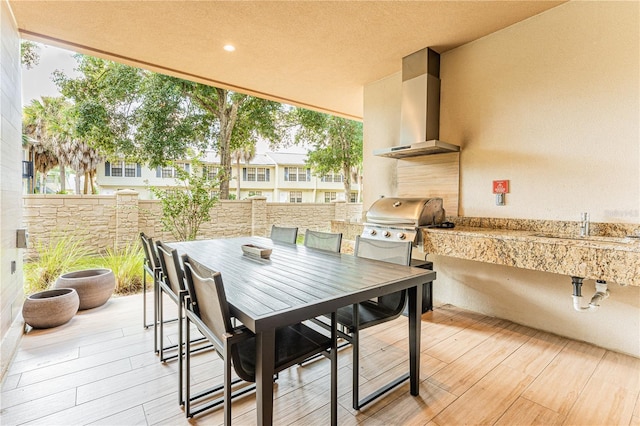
x=187, y=372
x=156, y=289
x=227, y=384
x=358, y=403
x=160, y=326
x=180, y=353
x=144, y=298
x=334, y=371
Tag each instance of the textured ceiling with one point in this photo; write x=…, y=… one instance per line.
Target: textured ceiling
x=317, y=54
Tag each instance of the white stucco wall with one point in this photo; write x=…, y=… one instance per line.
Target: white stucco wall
x=553, y=105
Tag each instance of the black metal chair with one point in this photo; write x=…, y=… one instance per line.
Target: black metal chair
x=328, y=241
x=373, y=312
x=173, y=285
x=153, y=268
x=284, y=234
x=209, y=311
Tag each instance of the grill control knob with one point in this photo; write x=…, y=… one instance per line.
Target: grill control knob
x=401, y=235
x=387, y=234
x=372, y=232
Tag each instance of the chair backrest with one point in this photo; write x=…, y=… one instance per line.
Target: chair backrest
x=206, y=285
x=283, y=234
x=207, y=288
x=150, y=253
x=328, y=241
x=398, y=252
x=171, y=268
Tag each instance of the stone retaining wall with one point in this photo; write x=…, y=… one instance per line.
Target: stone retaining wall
x=89, y=218
x=104, y=221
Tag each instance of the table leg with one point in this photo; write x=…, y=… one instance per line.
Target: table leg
x=265, y=360
x=415, y=309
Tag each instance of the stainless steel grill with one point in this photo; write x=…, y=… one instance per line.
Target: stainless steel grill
x=400, y=219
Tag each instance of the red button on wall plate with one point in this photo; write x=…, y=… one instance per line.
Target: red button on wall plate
x=500, y=186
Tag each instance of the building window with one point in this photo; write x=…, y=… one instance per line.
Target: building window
x=170, y=172
x=167, y=172
x=255, y=174
x=251, y=174
x=211, y=172
x=329, y=197
x=295, y=196
x=116, y=169
x=255, y=193
x=333, y=177
x=353, y=197
x=122, y=168
x=297, y=174
x=130, y=169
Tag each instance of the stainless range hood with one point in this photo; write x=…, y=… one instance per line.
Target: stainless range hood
x=420, y=108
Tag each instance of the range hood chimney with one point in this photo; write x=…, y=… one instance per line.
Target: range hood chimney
x=420, y=108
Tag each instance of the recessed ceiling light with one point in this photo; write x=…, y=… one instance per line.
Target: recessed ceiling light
x=229, y=47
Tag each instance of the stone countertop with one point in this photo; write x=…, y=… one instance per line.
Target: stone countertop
x=610, y=258
x=541, y=245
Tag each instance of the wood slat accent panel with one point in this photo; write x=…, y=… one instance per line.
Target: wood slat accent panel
x=431, y=176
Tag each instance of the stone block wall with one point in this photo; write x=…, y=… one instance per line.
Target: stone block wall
x=112, y=221
x=228, y=219
x=91, y=218
x=305, y=216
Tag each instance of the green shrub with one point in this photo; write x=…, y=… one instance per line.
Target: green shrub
x=126, y=265
x=68, y=253
x=59, y=256
x=188, y=205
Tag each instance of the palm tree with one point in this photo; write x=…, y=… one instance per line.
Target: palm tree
x=38, y=137
x=245, y=153
x=84, y=160
x=51, y=123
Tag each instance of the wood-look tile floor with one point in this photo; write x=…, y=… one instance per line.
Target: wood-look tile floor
x=100, y=369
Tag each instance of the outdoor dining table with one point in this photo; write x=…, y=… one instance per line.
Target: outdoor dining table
x=297, y=283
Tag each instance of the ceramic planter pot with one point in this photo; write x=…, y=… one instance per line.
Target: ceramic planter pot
x=94, y=286
x=50, y=308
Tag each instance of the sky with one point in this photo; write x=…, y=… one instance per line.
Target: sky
x=37, y=82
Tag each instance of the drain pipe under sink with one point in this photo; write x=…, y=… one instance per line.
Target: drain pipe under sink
x=601, y=293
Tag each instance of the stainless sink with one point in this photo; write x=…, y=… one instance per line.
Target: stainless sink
x=594, y=239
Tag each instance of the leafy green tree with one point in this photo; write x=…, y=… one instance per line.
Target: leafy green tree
x=155, y=119
x=336, y=144
x=106, y=95
x=29, y=54
x=236, y=120
x=186, y=208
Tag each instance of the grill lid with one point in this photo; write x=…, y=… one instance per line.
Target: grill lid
x=407, y=211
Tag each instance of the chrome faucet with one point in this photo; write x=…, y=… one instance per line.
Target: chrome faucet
x=584, y=224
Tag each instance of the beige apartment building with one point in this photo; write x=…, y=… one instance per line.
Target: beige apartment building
x=278, y=176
